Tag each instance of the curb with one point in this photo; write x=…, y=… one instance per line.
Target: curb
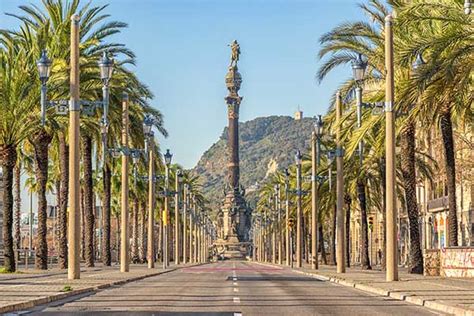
x=56, y=297
x=402, y=296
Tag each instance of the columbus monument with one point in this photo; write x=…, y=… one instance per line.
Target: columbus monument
x=234, y=217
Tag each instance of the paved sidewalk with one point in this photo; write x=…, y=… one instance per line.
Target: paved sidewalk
x=20, y=291
x=447, y=295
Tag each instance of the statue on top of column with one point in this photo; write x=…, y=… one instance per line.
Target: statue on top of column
x=234, y=58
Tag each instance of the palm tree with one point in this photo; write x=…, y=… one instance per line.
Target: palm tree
x=343, y=43
x=444, y=35
x=15, y=126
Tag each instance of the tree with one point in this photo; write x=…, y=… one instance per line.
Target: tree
x=15, y=126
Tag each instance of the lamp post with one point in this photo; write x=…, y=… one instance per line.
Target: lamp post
x=147, y=131
x=191, y=230
x=391, y=221
x=287, y=216
x=106, y=69
x=467, y=7
x=124, y=229
x=299, y=215
x=315, y=150
x=280, y=234
x=359, y=67
x=185, y=229
x=178, y=179
x=74, y=169
x=341, y=268
x=168, y=157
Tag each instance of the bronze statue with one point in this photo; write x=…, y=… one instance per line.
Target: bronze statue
x=235, y=53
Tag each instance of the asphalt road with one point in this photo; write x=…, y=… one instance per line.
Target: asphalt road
x=231, y=288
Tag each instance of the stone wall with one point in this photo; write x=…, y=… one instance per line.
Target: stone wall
x=431, y=262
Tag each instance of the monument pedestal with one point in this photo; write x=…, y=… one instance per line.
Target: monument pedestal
x=232, y=248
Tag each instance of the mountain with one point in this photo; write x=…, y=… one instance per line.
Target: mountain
x=266, y=145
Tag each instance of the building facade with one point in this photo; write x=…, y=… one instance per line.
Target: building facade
x=432, y=202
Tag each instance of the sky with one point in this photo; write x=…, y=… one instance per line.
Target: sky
x=182, y=55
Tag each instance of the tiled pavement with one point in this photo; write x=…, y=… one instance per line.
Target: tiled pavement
x=31, y=287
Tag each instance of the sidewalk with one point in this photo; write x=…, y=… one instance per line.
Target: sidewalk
x=447, y=295
x=19, y=291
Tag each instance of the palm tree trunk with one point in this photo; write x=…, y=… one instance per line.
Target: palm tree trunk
x=321, y=245
x=106, y=251
x=407, y=159
x=17, y=221
x=135, y=210
x=64, y=191
x=348, y=201
x=40, y=141
x=364, y=229
x=450, y=169
x=8, y=158
x=88, y=200
x=83, y=230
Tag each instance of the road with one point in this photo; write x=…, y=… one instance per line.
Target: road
x=231, y=288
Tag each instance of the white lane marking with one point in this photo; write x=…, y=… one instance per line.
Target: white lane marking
x=236, y=300
x=234, y=279
x=237, y=314
x=235, y=283
x=236, y=290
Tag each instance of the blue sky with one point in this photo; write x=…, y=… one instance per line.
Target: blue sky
x=182, y=53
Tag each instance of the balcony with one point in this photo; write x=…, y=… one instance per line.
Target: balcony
x=440, y=203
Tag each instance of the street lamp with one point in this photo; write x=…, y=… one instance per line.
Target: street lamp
x=106, y=66
x=358, y=68
x=467, y=7
x=419, y=62
x=44, y=69
x=168, y=157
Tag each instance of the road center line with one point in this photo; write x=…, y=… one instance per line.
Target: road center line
x=236, y=300
x=236, y=289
